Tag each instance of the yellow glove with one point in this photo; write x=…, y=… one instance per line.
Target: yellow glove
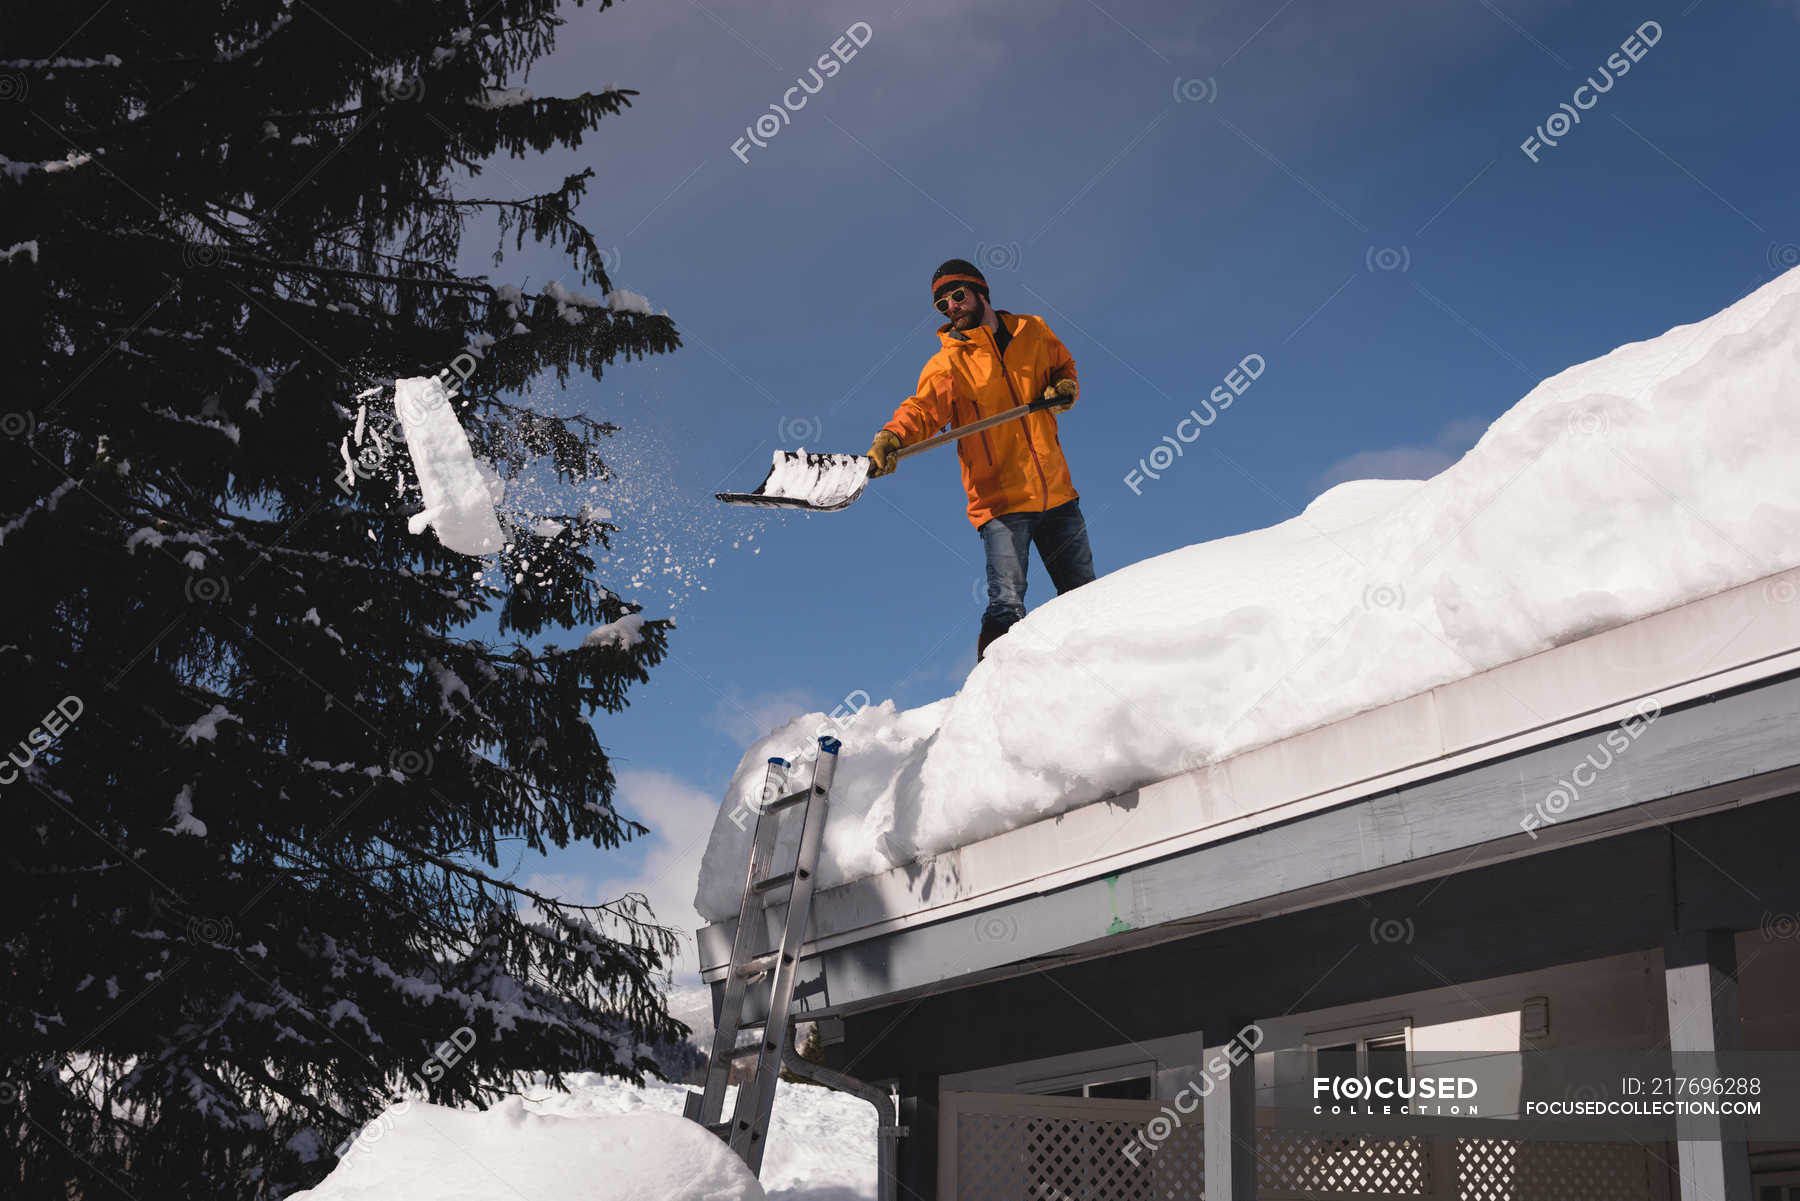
x=1064, y=388
x=881, y=454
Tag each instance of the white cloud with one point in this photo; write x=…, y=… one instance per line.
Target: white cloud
x=744, y=719
x=1406, y=462
x=680, y=818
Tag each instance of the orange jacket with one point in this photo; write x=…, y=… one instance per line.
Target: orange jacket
x=1017, y=465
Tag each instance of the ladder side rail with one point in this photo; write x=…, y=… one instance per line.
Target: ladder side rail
x=756, y=1098
x=748, y=933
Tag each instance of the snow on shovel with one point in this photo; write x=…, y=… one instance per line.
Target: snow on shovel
x=818, y=483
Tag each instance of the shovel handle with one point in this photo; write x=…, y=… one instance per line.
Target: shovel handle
x=975, y=427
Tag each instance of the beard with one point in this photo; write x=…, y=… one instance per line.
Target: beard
x=972, y=318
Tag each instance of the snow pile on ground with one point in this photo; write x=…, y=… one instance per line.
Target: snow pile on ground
x=822, y=480
x=606, y=1140
x=1654, y=475
x=460, y=494
x=509, y=1151
x=821, y=1142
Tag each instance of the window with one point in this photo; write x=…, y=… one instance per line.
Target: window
x=1379, y=1050
x=1386, y=1056
x=1135, y=1081
x=1135, y=1089
x=1336, y=1061
x=1777, y=1186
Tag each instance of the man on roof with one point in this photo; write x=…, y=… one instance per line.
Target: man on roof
x=1018, y=482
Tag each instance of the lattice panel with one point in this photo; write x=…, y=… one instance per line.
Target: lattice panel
x=1069, y=1156
x=1178, y=1171
x=1035, y=1157
x=1307, y=1161
x=1075, y=1159
x=1493, y=1169
x=990, y=1156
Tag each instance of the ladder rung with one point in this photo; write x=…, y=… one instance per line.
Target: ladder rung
x=747, y=1130
x=788, y=801
x=783, y=880
x=759, y=964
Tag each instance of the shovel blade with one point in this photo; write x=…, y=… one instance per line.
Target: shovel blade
x=812, y=483
x=756, y=500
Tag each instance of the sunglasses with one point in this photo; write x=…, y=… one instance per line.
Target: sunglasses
x=943, y=302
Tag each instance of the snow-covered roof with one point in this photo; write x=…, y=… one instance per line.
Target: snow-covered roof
x=1517, y=760
x=1620, y=488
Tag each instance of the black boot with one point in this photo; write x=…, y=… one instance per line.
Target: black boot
x=988, y=634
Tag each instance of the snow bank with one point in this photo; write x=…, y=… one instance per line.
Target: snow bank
x=606, y=1140
x=821, y=1143
x=1649, y=477
x=459, y=494
x=510, y=1152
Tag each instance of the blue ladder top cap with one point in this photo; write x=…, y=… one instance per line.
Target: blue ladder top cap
x=780, y=760
x=829, y=745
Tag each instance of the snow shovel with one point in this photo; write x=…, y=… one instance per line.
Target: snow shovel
x=818, y=483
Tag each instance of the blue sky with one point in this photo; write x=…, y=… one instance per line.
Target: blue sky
x=1339, y=189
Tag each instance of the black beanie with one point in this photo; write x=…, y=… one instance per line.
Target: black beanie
x=954, y=272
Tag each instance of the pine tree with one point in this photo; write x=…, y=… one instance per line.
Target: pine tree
x=277, y=753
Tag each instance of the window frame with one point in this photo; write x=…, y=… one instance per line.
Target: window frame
x=1782, y=1178
x=1134, y=1070
x=1361, y=1034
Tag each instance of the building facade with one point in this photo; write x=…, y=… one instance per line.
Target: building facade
x=1593, y=851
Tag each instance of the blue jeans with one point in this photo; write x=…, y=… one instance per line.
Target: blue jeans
x=1062, y=544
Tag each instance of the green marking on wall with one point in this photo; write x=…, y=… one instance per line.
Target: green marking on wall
x=1119, y=924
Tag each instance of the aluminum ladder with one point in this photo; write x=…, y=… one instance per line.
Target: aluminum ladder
x=748, y=1128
